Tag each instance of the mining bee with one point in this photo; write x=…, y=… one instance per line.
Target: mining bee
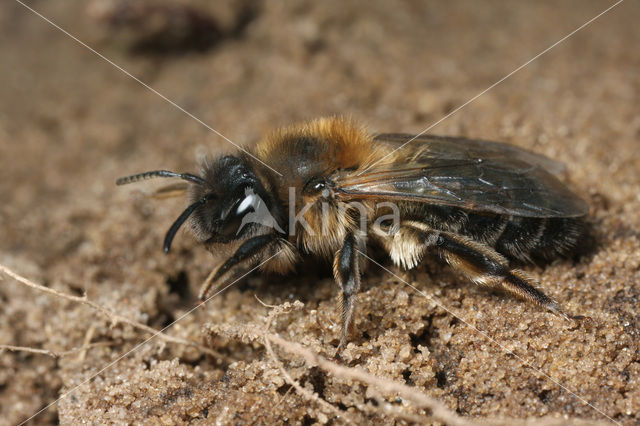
x=328, y=188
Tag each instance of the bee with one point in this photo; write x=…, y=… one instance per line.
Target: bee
x=329, y=188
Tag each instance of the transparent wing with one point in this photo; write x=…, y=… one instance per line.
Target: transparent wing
x=471, y=174
x=454, y=148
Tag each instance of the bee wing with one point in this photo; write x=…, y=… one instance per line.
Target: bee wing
x=475, y=175
x=455, y=148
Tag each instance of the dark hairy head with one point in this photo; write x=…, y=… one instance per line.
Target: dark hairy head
x=237, y=187
x=220, y=197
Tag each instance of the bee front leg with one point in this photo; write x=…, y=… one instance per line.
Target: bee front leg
x=248, y=254
x=346, y=270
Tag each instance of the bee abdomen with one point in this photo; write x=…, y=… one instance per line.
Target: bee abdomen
x=527, y=239
x=560, y=237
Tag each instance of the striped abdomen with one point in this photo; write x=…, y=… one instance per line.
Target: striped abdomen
x=518, y=238
x=526, y=238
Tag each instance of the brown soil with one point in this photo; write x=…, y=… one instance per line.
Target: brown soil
x=70, y=123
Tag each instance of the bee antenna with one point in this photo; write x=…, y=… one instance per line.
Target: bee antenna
x=181, y=219
x=160, y=173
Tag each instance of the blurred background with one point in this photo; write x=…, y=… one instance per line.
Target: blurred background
x=71, y=123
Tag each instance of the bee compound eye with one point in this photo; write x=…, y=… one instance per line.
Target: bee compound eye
x=316, y=186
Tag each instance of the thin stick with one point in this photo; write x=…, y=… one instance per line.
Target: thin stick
x=87, y=340
x=311, y=396
x=30, y=350
x=49, y=352
x=377, y=385
x=113, y=316
x=438, y=409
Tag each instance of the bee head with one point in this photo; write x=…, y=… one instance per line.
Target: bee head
x=222, y=195
x=238, y=192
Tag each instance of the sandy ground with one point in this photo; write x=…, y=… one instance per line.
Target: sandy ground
x=70, y=123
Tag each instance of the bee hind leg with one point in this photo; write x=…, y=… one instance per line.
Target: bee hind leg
x=483, y=265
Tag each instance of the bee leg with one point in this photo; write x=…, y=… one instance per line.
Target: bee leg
x=346, y=270
x=248, y=253
x=481, y=264
x=484, y=265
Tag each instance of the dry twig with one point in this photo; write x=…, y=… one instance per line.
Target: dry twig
x=54, y=354
x=438, y=410
x=311, y=396
x=114, y=317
